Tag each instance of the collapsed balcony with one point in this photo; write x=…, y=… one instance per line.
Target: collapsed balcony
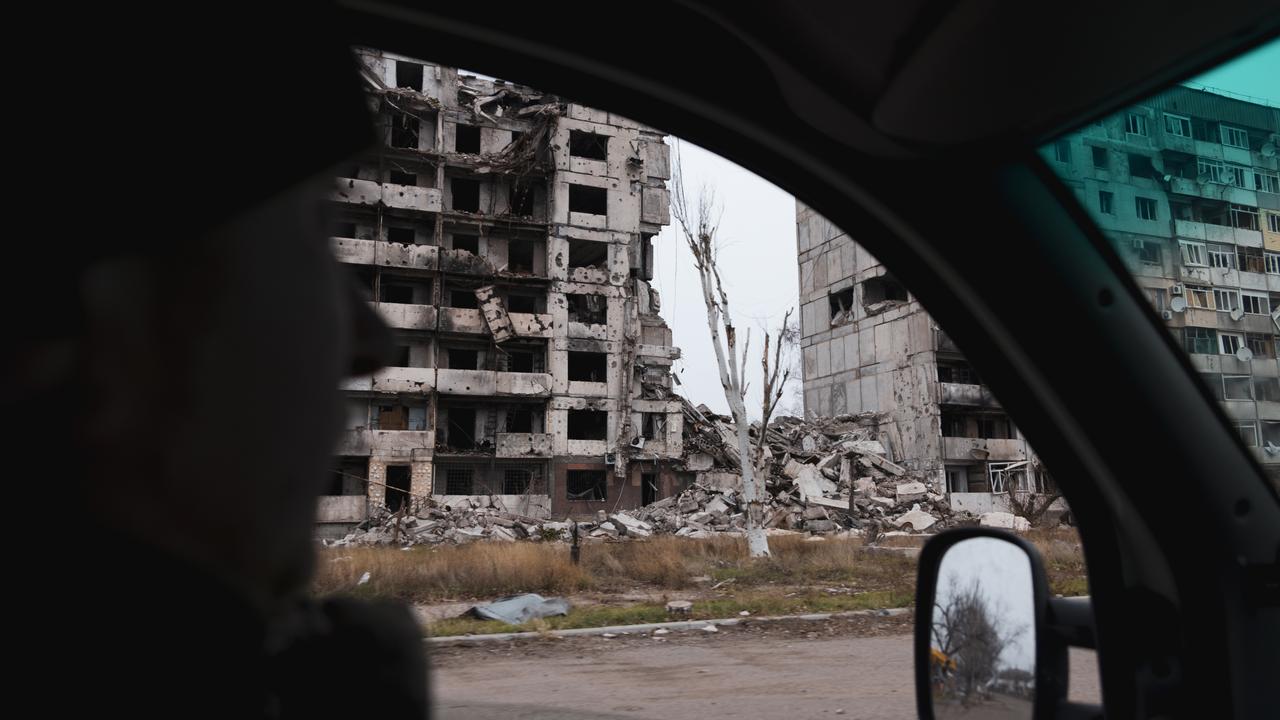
x=505, y=430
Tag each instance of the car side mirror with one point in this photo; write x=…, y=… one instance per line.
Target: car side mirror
x=990, y=642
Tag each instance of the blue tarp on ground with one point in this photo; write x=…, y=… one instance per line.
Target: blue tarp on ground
x=519, y=609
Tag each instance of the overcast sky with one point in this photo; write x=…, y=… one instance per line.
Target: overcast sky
x=757, y=264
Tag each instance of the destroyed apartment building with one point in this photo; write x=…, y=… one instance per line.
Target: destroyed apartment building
x=869, y=347
x=506, y=237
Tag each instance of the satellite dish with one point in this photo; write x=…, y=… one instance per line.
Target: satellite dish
x=1268, y=150
x=1236, y=314
x=1244, y=354
x=1178, y=304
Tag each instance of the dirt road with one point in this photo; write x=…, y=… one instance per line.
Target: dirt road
x=858, y=668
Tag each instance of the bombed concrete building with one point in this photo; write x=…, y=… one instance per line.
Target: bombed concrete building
x=506, y=237
x=1187, y=186
x=869, y=347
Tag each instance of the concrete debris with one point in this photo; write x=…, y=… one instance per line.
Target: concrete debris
x=518, y=609
x=680, y=607
x=1005, y=520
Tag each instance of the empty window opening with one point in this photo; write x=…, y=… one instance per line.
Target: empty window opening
x=463, y=299
x=588, y=366
x=459, y=480
x=587, y=309
x=588, y=145
x=1106, y=202
x=346, y=230
x=1100, y=158
x=348, y=476
x=404, y=131
x=470, y=243
x=1177, y=125
x=520, y=257
x=841, y=303
x=517, y=303
x=957, y=372
x=1145, y=208
x=403, y=178
x=466, y=194
x=1260, y=345
x=401, y=235
x=462, y=359
x=1135, y=124
x=460, y=433
x=1140, y=166
x=520, y=361
x=1251, y=259
x=1237, y=387
x=653, y=426
x=409, y=75
x=882, y=289
x=404, y=290
x=399, y=478
x=957, y=425
x=466, y=139
x=1271, y=436
x=1248, y=433
x=521, y=199
x=400, y=356
x=586, y=485
x=1062, y=151
x=648, y=488
x=996, y=427
x=364, y=279
x=588, y=424
x=588, y=253
x=1244, y=217
x=1149, y=252
x=519, y=420
x=957, y=478
x=516, y=481
x=587, y=199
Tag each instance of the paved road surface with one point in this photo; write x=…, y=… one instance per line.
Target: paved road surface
x=809, y=670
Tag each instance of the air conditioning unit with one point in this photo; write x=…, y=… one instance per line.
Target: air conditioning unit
x=610, y=458
x=638, y=443
x=1177, y=289
x=1167, y=315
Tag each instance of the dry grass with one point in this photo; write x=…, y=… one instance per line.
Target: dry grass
x=487, y=570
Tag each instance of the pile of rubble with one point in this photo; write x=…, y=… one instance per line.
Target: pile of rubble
x=822, y=476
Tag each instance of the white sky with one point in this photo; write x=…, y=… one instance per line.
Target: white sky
x=758, y=266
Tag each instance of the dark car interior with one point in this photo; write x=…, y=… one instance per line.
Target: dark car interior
x=846, y=106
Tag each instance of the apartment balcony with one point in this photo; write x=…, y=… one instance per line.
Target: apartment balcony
x=586, y=448
x=385, y=254
x=996, y=450
x=394, y=380
x=451, y=381
x=470, y=320
x=523, y=445
x=966, y=394
x=396, y=443
x=342, y=509
x=369, y=193
x=406, y=316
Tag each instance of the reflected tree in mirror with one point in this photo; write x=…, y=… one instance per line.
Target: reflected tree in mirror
x=982, y=643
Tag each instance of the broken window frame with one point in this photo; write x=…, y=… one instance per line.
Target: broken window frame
x=1105, y=156
x=1260, y=344
x=1179, y=125
x=1200, y=340
x=1237, y=387
x=586, y=485
x=1267, y=182
x=590, y=141
x=1250, y=259
x=1221, y=256
x=1199, y=296
x=1062, y=151
x=1146, y=208
x=1135, y=124
x=1248, y=432
x=1106, y=202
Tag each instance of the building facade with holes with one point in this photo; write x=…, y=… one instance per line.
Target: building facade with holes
x=506, y=237
x=868, y=346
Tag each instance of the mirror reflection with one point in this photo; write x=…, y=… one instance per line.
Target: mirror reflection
x=982, y=645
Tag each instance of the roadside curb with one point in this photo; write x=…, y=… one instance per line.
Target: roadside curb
x=648, y=627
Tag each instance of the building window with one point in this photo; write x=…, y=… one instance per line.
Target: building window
x=1255, y=304
x=1248, y=433
x=1250, y=259
x=1100, y=158
x=1177, y=125
x=1273, y=262
x=996, y=427
x=880, y=289
x=588, y=145
x=1229, y=343
x=1236, y=387
x=1156, y=296
x=404, y=131
x=466, y=194
x=397, y=177
x=516, y=481
x=588, y=366
x=1199, y=296
x=1273, y=222
x=1149, y=252
x=590, y=485
x=1135, y=124
x=457, y=481
x=409, y=75
x=1244, y=217
x=1208, y=170
x=1266, y=182
x=956, y=372
x=1106, y=202
x=589, y=200
x=1259, y=344
x=654, y=426
x=1226, y=300
x=1062, y=151
x=1222, y=256
x=1266, y=389
x=466, y=139
x=588, y=424
x=1199, y=341
x=1193, y=253
x=1146, y=208
x=1140, y=166
x=1233, y=175
x=1235, y=137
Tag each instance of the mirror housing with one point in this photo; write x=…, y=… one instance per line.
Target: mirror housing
x=1057, y=623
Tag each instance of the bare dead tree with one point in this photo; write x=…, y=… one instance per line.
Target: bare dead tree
x=969, y=631
x=775, y=382
x=699, y=221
